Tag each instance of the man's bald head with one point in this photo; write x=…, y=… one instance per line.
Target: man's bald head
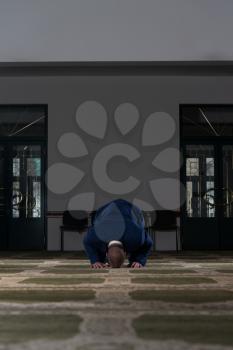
x=116, y=256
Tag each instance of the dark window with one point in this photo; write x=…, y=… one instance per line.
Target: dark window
x=21, y=121
x=207, y=121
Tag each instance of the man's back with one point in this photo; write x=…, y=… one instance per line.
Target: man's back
x=118, y=209
x=122, y=221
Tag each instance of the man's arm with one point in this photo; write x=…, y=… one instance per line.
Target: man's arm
x=137, y=216
x=141, y=255
x=95, y=249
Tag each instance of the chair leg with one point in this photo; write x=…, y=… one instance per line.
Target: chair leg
x=152, y=235
x=181, y=240
x=62, y=240
x=176, y=240
x=154, y=244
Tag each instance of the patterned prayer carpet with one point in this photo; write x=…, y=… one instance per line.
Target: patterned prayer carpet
x=54, y=301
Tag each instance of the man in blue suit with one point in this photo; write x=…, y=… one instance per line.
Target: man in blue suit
x=118, y=230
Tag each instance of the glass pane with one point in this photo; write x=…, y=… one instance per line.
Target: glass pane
x=208, y=121
x=16, y=167
x=210, y=166
x=228, y=181
x=21, y=121
x=16, y=199
x=27, y=180
x=209, y=197
x=2, y=182
x=33, y=166
x=36, y=213
x=200, y=182
x=192, y=166
x=33, y=182
x=189, y=193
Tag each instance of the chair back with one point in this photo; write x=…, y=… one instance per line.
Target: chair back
x=92, y=214
x=165, y=219
x=75, y=218
x=149, y=217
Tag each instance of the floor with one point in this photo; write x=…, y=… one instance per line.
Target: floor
x=54, y=301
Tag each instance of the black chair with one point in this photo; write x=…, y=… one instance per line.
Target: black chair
x=165, y=220
x=149, y=218
x=92, y=217
x=75, y=221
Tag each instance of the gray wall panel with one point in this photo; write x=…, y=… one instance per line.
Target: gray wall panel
x=149, y=93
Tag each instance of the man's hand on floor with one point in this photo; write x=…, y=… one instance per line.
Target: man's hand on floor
x=98, y=265
x=136, y=265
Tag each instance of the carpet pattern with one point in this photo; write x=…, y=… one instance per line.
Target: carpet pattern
x=53, y=301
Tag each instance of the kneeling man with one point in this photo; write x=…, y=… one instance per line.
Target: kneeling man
x=118, y=230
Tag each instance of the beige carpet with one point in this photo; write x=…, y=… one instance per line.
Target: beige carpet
x=53, y=301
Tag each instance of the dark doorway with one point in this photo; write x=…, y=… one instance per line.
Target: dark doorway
x=207, y=173
x=22, y=177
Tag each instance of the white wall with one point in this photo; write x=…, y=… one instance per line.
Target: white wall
x=115, y=30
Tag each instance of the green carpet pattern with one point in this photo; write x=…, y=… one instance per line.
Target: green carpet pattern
x=74, y=271
x=11, y=270
x=194, y=296
x=159, y=271
x=55, y=301
x=172, y=280
x=193, y=329
x=21, y=328
x=29, y=296
x=225, y=271
x=60, y=281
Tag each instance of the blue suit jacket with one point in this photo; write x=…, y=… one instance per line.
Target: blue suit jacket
x=122, y=221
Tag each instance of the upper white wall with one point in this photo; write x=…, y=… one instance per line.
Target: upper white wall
x=115, y=30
